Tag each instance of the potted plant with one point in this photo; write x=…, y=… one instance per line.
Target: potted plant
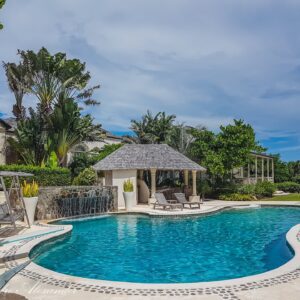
x=30, y=195
x=128, y=194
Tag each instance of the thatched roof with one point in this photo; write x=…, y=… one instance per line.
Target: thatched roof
x=144, y=157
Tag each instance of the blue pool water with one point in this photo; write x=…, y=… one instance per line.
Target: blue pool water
x=135, y=248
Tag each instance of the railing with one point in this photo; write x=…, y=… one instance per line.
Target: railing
x=253, y=180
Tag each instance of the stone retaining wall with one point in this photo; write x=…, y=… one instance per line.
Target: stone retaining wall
x=67, y=201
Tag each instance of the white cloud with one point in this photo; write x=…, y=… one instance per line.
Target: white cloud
x=206, y=61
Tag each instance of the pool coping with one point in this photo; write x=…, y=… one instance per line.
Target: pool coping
x=224, y=288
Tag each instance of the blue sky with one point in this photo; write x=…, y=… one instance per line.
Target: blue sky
x=205, y=61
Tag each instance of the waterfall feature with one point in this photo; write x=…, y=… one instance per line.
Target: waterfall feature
x=62, y=202
x=89, y=203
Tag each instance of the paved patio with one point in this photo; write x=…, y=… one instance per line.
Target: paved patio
x=35, y=282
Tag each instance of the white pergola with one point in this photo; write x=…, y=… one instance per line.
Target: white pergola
x=262, y=166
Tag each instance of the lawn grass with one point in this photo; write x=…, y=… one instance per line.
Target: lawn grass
x=290, y=197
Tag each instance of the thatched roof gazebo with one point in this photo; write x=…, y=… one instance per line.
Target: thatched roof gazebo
x=126, y=162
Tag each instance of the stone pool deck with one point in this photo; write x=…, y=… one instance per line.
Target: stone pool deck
x=23, y=277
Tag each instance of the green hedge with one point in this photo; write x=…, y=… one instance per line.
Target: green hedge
x=236, y=197
x=288, y=187
x=264, y=189
x=42, y=175
x=86, y=177
x=248, y=191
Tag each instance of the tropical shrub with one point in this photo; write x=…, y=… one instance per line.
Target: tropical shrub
x=247, y=189
x=44, y=176
x=288, y=187
x=224, y=188
x=30, y=189
x=80, y=162
x=296, y=178
x=52, y=160
x=128, y=186
x=264, y=189
x=86, y=177
x=107, y=150
x=236, y=197
x=203, y=188
x=84, y=160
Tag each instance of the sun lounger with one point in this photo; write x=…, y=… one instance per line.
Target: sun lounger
x=162, y=201
x=180, y=197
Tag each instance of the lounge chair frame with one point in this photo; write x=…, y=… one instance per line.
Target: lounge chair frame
x=163, y=202
x=10, y=215
x=181, y=199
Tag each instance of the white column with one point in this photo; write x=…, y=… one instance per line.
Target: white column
x=248, y=173
x=273, y=170
x=194, y=176
x=141, y=174
x=153, y=182
x=186, y=177
x=262, y=169
x=268, y=169
x=255, y=169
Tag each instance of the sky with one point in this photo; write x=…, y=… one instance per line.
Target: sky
x=207, y=61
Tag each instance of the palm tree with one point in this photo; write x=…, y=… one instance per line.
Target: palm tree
x=142, y=128
x=180, y=138
x=16, y=76
x=162, y=127
x=59, y=84
x=153, y=129
x=46, y=76
x=2, y=2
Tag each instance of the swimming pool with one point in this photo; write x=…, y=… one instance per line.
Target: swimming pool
x=137, y=248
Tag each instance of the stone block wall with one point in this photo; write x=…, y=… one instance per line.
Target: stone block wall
x=58, y=202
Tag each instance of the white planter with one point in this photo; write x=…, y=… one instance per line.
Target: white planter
x=30, y=206
x=129, y=200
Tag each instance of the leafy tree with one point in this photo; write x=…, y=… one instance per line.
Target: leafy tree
x=153, y=129
x=204, y=149
x=2, y=2
x=294, y=170
x=281, y=170
x=222, y=152
x=235, y=143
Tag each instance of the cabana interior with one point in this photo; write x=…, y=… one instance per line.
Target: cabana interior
x=143, y=164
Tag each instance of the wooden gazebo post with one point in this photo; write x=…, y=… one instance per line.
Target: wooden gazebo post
x=194, y=196
x=153, y=182
x=194, y=176
x=186, y=177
